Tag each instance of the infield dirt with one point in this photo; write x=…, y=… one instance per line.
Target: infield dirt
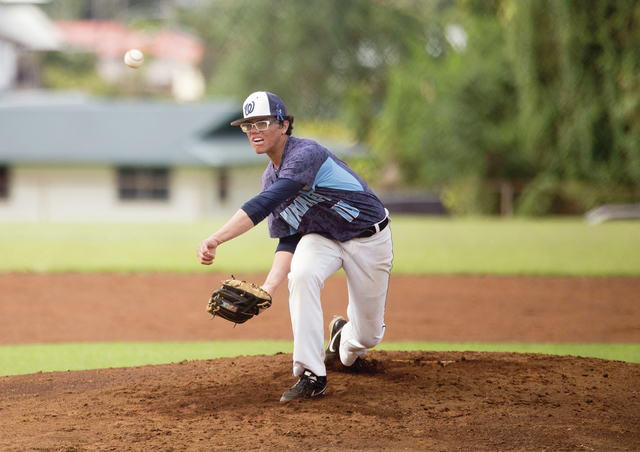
x=416, y=401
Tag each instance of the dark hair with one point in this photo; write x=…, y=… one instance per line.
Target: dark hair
x=290, y=119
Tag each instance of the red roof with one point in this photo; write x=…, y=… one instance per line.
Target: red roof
x=112, y=39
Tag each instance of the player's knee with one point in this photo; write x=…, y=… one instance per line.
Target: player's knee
x=371, y=342
x=371, y=338
x=304, y=277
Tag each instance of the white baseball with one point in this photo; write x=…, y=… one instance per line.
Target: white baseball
x=134, y=58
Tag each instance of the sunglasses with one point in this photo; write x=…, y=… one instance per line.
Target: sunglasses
x=260, y=125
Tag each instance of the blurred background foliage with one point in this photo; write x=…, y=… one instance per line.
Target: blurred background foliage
x=530, y=101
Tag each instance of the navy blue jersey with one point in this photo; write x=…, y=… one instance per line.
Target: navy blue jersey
x=335, y=202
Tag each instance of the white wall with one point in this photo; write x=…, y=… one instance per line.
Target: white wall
x=8, y=65
x=90, y=193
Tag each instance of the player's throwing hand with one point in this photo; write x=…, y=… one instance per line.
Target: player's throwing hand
x=207, y=251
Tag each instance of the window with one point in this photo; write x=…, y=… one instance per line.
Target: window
x=4, y=182
x=143, y=183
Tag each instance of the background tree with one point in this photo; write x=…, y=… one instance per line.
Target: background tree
x=325, y=58
x=577, y=65
x=449, y=118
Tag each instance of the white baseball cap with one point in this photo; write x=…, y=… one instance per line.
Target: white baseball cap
x=262, y=104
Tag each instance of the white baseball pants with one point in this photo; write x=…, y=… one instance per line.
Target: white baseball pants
x=367, y=263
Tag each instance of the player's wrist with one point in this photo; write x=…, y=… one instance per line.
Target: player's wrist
x=270, y=289
x=215, y=240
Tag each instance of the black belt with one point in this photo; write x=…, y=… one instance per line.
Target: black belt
x=374, y=229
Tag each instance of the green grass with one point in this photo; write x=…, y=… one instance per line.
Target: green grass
x=422, y=245
x=516, y=247
x=60, y=247
x=25, y=359
x=28, y=359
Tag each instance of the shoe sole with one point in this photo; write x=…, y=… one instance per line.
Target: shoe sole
x=328, y=354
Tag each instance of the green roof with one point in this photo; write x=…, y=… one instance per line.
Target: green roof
x=82, y=131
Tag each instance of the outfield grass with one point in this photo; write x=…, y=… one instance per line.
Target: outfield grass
x=516, y=247
x=27, y=359
x=422, y=245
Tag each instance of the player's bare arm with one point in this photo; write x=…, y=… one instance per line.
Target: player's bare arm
x=279, y=271
x=237, y=225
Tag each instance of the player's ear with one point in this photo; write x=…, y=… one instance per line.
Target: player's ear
x=284, y=126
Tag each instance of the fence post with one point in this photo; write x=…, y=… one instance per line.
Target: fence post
x=506, y=200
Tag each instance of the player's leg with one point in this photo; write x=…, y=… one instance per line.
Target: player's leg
x=367, y=268
x=315, y=259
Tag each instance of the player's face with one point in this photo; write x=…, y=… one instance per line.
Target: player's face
x=270, y=140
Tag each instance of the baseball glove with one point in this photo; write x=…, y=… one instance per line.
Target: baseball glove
x=238, y=301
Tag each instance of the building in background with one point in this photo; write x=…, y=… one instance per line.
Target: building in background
x=24, y=31
x=78, y=159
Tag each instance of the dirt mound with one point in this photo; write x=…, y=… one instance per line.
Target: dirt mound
x=412, y=401
x=416, y=401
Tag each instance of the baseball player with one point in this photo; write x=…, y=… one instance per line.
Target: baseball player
x=325, y=217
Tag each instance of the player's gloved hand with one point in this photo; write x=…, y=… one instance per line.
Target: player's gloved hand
x=238, y=301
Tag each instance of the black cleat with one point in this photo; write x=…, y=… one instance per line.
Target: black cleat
x=309, y=385
x=332, y=352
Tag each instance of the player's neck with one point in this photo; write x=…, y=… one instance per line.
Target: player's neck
x=276, y=155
